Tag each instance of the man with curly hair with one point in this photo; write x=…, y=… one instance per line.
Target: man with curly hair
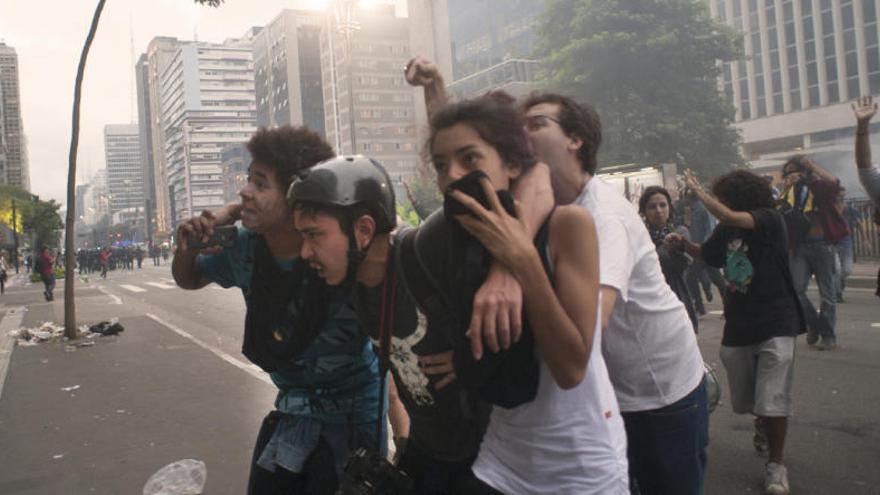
x=761, y=309
x=302, y=332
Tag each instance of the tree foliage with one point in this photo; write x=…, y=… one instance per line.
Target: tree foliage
x=32, y=215
x=650, y=69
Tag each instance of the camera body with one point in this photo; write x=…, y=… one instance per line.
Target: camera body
x=368, y=473
x=223, y=236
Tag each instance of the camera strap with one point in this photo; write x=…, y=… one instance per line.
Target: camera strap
x=386, y=329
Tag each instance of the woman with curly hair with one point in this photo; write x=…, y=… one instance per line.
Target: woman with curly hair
x=655, y=207
x=762, y=314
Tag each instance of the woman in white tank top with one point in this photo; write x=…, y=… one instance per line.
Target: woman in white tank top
x=570, y=439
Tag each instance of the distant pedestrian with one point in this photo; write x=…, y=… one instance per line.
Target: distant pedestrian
x=27, y=263
x=761, y=308
x=104, y=260
x=139, y=256
x=4, y=270
x=46, y=268
x=845, y=247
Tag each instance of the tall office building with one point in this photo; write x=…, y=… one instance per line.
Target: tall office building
x=492, y=45
x=13, y=147
x=287, y=66
x=96, y=199
x=125, y=171
x=150, y=66
x=367, y=91
x=806, y=60
x=207, y=102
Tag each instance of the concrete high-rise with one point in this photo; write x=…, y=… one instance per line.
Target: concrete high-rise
x=366, y=91
x=207, y=102
x=492, y=43
x=287, y=66
x=806, y=60
x=150, y=65
x=125, y=171
x=13, y=147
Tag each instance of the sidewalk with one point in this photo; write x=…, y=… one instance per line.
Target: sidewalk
x=139, y=401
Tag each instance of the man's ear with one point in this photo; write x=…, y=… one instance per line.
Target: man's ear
x=574, y=143
x=364, y=230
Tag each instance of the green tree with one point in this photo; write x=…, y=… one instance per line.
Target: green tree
x=650, y=69
x=32, y=214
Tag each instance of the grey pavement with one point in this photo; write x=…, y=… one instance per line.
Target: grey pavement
x=144, y=399
x=174, y=385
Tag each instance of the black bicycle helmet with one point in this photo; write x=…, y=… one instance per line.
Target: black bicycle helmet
x=346, y=181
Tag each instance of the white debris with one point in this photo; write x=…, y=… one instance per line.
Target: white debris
x=58, y=456
x=184, y=477
x=70, y=388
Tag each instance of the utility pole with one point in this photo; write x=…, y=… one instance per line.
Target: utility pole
x=14, y=236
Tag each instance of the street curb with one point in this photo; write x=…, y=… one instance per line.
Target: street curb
x=11, y=321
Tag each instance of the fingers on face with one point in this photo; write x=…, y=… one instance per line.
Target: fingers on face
x=470, y=203
x=492, y=196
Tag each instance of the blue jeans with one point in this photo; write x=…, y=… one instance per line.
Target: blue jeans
x=666, y=447
x=816, y=257
x=845, y=265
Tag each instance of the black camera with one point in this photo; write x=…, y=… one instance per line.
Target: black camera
x=368, y=473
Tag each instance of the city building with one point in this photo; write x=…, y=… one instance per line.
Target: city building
x=149, y=67
x=207, y=102
x=125, y=171
x=96, y=199
x=367, y=90
x=492, y=42
x=236, y=160
x=805, y=62
x=287, y=66
x=13, y=146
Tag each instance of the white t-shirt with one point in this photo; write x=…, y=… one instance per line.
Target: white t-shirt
x=649, y=344
x=564, y=442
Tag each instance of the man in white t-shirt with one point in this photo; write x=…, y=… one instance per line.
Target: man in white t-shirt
x=648, y=340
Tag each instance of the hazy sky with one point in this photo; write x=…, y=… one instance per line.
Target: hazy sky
x=48, y=36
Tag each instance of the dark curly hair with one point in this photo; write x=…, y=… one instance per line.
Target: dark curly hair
x=288, y=150
x=651, y=191
x=497, y=122
x=578, y=120
x=742, y=190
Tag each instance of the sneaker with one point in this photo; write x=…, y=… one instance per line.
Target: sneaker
x=776, y=480
x=812, y=335
x=827, y=344
x=709, y=295
x=760, y=438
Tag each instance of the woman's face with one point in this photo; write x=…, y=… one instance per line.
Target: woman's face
x=657, y=210
x=459, y=150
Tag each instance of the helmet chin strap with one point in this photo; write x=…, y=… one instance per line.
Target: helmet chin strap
x=356, y=256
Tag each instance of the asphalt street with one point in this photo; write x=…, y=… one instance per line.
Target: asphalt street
x=833, y=441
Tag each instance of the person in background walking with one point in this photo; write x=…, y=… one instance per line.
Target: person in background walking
x=104, y=260
x=46, y=268
x=845, y=248
x=4, y=270
x=814, y=228
x=655, y=206
x=761, y=308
